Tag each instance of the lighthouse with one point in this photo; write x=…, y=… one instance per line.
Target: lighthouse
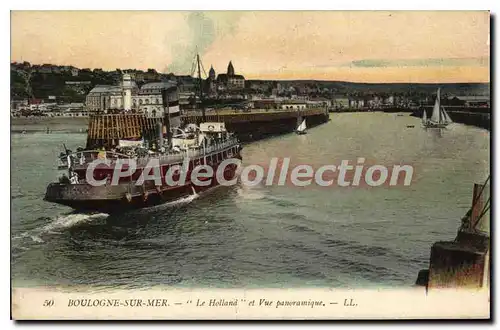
x=127, y=92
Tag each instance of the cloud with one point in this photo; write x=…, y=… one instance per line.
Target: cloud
x=201, y=35
x=203, y=29
x=423, y=46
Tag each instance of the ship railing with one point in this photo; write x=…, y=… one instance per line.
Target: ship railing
x=94, y=154
x=191, y=152
x=82, y=158
x=87, y=156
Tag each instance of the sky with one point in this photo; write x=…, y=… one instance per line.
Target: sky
x=358, y=46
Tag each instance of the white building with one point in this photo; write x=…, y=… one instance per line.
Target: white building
x=319, y=103
x=356, y=103
x=42, y=106
x=340, y=102
x=475, y=100
x=103, y=98
x=293, y=106
x=151, y=99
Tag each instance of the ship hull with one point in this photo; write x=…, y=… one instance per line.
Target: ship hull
x=120, y=205
x=128, y=196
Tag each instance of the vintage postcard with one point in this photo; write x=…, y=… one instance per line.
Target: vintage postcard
x=250, y=165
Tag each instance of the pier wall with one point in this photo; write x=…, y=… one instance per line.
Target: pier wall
x=482, y=120
x=259, y=124
x=479, y=117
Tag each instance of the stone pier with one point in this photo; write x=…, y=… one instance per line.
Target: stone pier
x=463, y=262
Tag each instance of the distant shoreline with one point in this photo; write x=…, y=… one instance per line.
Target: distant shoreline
x=54, y=124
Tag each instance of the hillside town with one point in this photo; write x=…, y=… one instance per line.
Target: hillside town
x=67, y=91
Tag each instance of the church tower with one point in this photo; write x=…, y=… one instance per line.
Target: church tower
x=211, y=73
x=230, y=69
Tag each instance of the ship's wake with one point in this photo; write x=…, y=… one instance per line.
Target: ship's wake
x=59, y=224
x=176, y=203
x=181, y=201
x=247, y=193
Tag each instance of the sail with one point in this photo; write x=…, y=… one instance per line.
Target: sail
x=436, y=111
x=302, y=126
x=424, y=117
x=446, y=117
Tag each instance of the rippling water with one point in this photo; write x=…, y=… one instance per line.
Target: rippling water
x=260, y=236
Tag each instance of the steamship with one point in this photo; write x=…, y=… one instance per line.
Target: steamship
x=91, y=181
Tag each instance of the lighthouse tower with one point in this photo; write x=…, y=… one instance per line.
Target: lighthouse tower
x=127, y=92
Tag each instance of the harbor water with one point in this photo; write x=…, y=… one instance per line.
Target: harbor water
x=262, y=236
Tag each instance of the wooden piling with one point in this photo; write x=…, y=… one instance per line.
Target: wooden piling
x=105, y=130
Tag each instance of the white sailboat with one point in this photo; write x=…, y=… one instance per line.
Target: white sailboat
x=302, y=128
x=447, y=118
x=439, y=117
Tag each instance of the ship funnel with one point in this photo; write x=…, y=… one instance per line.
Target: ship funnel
x=165, y=93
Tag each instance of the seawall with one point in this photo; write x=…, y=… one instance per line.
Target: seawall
x=479, y=117
x=259, y=124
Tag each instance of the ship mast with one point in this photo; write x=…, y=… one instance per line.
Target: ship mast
x=439, y=103
x=201, y=89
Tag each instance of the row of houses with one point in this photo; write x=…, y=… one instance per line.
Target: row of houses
x=48, y=109
x=137, y=75
x=45, y=68
x=288, y=104
x=374, y=102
